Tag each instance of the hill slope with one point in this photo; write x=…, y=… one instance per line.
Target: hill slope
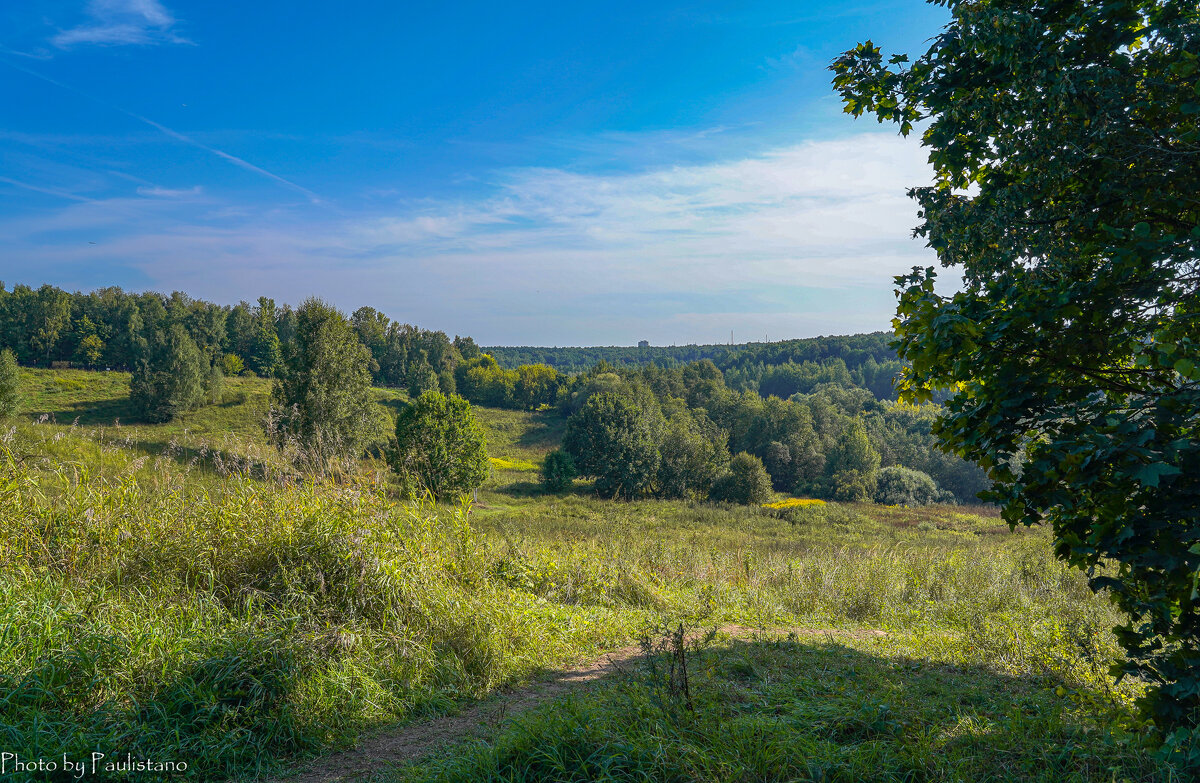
x=177, y=593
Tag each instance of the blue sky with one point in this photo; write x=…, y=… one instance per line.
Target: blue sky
x=526, y=173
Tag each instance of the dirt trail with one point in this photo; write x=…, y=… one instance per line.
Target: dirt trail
x=408, y=743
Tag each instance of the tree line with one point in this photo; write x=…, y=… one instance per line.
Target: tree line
x=781, y=368
x=818, y=420
x=682, y=432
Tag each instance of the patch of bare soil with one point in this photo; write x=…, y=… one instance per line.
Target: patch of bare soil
x=414, y=741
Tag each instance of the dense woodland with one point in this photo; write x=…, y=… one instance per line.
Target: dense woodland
x=816, y=414
x=780, y=368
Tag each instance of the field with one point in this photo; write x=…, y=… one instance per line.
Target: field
x=178, y=592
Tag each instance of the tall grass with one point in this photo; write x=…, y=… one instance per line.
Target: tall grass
x=152, y=604
x=144, y=614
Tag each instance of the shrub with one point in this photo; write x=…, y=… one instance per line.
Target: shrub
x=746, y=482
x=900, y=486
x=613, y=439
x=851, y=486
x=170, y=378
x=439, y=445
x=9, y=384
x=322, y=402
x=232, y=365
x=558, y=471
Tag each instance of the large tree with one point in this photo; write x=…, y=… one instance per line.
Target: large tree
x=322, y=402
x=171, y=376
x=439, y=445
x=615, y=440
x=1065, y=145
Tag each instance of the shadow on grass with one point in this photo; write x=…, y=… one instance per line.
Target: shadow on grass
x=813, y=709
x=829, y=706
x=91, y=413
x=535, y=489
x=545, y=431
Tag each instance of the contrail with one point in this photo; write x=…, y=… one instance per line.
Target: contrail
x=47, y=191
x=174, y=134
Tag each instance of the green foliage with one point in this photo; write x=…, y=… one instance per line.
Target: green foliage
x=440, y=446
x=89, y=346
x=322, y=402
x=615, y=440
x=1063, y=137
x=536, y=385
x=212, y=612
x=746, y=482
x=232, y=365
x=265, y=353
x=172, y=377
x=898, y=486
x=692, y=456
x=558, y=471
x=852, y=465
x=1073, y=344
x=10, y=384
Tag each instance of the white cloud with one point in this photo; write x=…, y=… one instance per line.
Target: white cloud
x=122, y=22
x=154, y=191
x=801, y=240
x=829, y=210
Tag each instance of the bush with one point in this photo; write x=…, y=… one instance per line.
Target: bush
x=439, y=445
x=170, y=378
x=614, y=439
x=747, y=482
x=852, y=486
x=558, y=471
x=232, y=365
x=900, y=486
x=322, y=402
x=9, y=384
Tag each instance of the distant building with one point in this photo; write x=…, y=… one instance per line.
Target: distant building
x=643, y=343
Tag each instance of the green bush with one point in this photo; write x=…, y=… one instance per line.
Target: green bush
x=900, y=486
x=558, y=471
x=747, y=482
x=439, y=445
x=10, y=382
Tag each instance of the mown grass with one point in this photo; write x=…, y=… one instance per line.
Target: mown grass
x=202, y=602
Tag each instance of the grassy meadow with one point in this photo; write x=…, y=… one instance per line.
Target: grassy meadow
x=180, y=593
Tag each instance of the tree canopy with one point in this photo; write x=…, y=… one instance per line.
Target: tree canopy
x=171, y=377
x=1065, y=145
x=439, y=445
x=10, y=384
x=323, y=402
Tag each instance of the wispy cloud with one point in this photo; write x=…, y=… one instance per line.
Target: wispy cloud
x=122, y=23
x=800, y=240
x=174, y=134
x=154, y=191
x=47, y=191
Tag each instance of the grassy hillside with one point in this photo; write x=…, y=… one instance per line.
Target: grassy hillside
x=176, y=592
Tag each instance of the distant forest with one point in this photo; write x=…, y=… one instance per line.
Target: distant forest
x=819, y=413
x=779, y=368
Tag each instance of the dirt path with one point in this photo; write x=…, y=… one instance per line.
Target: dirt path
x=414, y=741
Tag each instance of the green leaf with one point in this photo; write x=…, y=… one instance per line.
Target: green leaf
x=1148, y=475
